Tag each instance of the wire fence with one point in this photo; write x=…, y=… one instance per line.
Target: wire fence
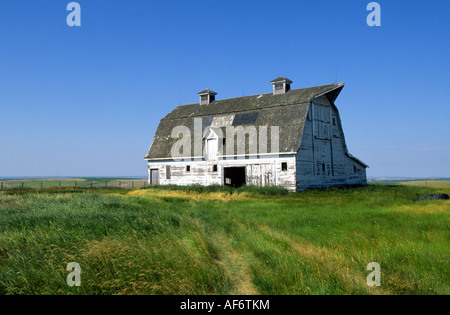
x=72, y=183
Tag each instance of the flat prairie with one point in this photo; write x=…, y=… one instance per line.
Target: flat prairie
x=217, y=240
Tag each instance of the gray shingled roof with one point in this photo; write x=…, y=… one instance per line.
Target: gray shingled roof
x=288, y=111
x=206, y=92
x=281, y=79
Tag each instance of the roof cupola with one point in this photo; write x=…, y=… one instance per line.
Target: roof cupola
x=207, y=96
x=281, y=85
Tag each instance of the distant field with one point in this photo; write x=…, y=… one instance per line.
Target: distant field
x=217, y=240
x=436, y=183
x=428, y=183
x=87, y=182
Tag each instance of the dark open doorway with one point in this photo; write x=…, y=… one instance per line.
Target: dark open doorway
x=234, y=176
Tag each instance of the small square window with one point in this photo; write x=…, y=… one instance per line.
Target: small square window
x=279, y=86
x=215, y=168
x=284, y=166
x=167, y=172
x=188, y=168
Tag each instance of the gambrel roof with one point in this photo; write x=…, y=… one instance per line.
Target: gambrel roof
x=288, y=111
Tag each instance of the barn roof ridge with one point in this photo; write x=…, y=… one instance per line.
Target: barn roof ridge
x=277, y=100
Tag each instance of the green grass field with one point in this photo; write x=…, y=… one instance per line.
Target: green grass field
x=213, y=240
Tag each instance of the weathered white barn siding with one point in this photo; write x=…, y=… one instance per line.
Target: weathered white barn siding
x=322, y=159
x=259, y=171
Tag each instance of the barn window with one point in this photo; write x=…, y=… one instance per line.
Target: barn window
x=284, y=166
x=167, y=172
x=188, y=168
x=279, y=86
x=215, y=168
x=334, y=121
x=354, y=169
x=323, y=168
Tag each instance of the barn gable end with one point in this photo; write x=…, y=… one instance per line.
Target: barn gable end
x=323, y=159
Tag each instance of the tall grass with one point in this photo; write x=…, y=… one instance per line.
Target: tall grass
x=200, y=189
x=174, y=240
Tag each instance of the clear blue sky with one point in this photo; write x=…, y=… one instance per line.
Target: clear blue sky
x=86, y=101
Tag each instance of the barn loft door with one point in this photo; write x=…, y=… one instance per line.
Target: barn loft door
x=212, y=148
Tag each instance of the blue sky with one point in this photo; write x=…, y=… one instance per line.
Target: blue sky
x=86, y=101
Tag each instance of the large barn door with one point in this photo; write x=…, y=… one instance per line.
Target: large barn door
x=234, y=176
x=261, y=175
x=267, y=178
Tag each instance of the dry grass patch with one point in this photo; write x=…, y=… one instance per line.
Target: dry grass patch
x=163, y=195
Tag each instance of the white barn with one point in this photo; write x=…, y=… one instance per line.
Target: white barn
x=289, y=138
